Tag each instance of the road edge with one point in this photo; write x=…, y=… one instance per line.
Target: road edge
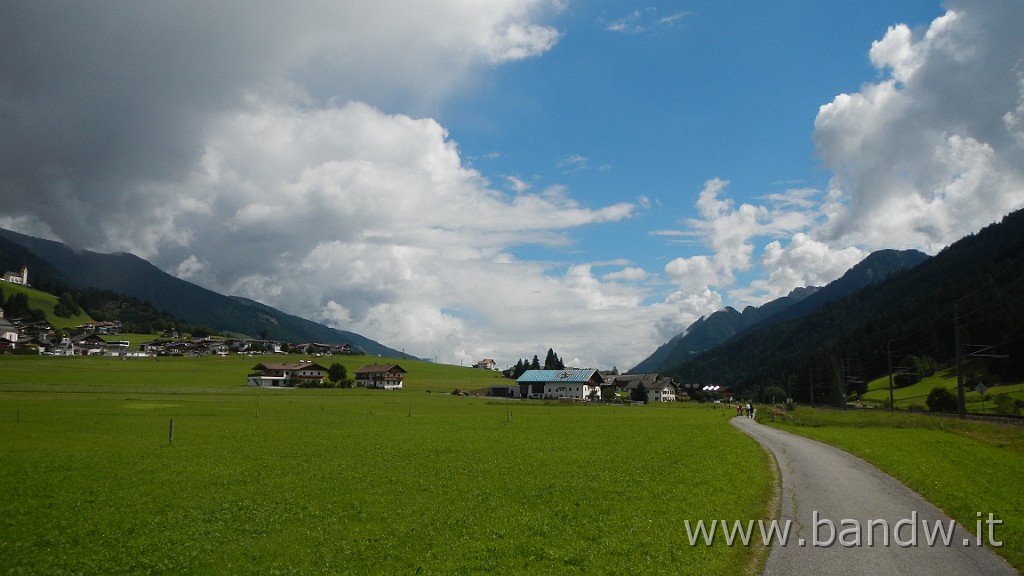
x=759, y=558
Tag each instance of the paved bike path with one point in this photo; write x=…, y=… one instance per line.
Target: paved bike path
x=819, y=479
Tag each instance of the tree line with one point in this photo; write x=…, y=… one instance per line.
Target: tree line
x=551, y=362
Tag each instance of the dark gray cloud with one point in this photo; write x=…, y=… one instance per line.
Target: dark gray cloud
x=99, y=99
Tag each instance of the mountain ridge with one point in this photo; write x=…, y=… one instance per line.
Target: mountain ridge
x=967, y=294
x=133, y=276
x=722, y=326
x=711, y=330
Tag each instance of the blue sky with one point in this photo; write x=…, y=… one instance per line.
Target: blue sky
x=490, y=179
x=655, y=99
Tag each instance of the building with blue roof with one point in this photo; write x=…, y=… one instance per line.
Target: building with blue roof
x=580, y=383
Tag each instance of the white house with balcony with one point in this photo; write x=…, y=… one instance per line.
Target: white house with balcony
x=386, y=376
x=286, y=375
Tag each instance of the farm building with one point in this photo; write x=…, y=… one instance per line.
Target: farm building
x=580, y=383
x=286, y=375
x=504, y=390
x=386, y=376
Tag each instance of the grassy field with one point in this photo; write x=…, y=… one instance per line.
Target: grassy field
x=914, y=396
x=214, y=374
x=961, y=466
x=263, y=481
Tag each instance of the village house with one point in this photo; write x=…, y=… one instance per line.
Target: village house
x=8, y=333
x=33, y=343
x=579, y=383
x=321, y=349
x=664, y=390
x=208, y=346
x=486, y=364
x=87, y=345
x=659, y=388
x=153, y=346
x=107, y=327
x=386, y=376
x=37, y=330
x=257, y=346
x=61, y=346
x=286, y=375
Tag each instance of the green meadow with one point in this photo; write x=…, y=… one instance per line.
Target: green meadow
x=914, y=396
x=962, y=466
x=354, y=481
x=46, y=302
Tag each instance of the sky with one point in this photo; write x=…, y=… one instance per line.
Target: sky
x=471, y=179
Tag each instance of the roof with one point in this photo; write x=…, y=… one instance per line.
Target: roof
x=631, y=380
x=299, y=366
x=378, y=368
x=568, y=375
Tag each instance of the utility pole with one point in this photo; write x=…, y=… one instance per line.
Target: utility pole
x=892, y=406
x=961, y=406
x=810, y=376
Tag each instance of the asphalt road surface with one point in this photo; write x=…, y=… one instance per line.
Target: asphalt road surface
x=835, y=502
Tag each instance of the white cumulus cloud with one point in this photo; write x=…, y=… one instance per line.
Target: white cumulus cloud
x=932, y=151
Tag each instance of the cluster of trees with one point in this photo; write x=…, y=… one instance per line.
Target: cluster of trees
x=551, y=362
x=17, y=306
x=913, y=369
x=943, y=400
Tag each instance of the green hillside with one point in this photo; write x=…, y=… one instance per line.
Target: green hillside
x=44, y=301
x=913, y=397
